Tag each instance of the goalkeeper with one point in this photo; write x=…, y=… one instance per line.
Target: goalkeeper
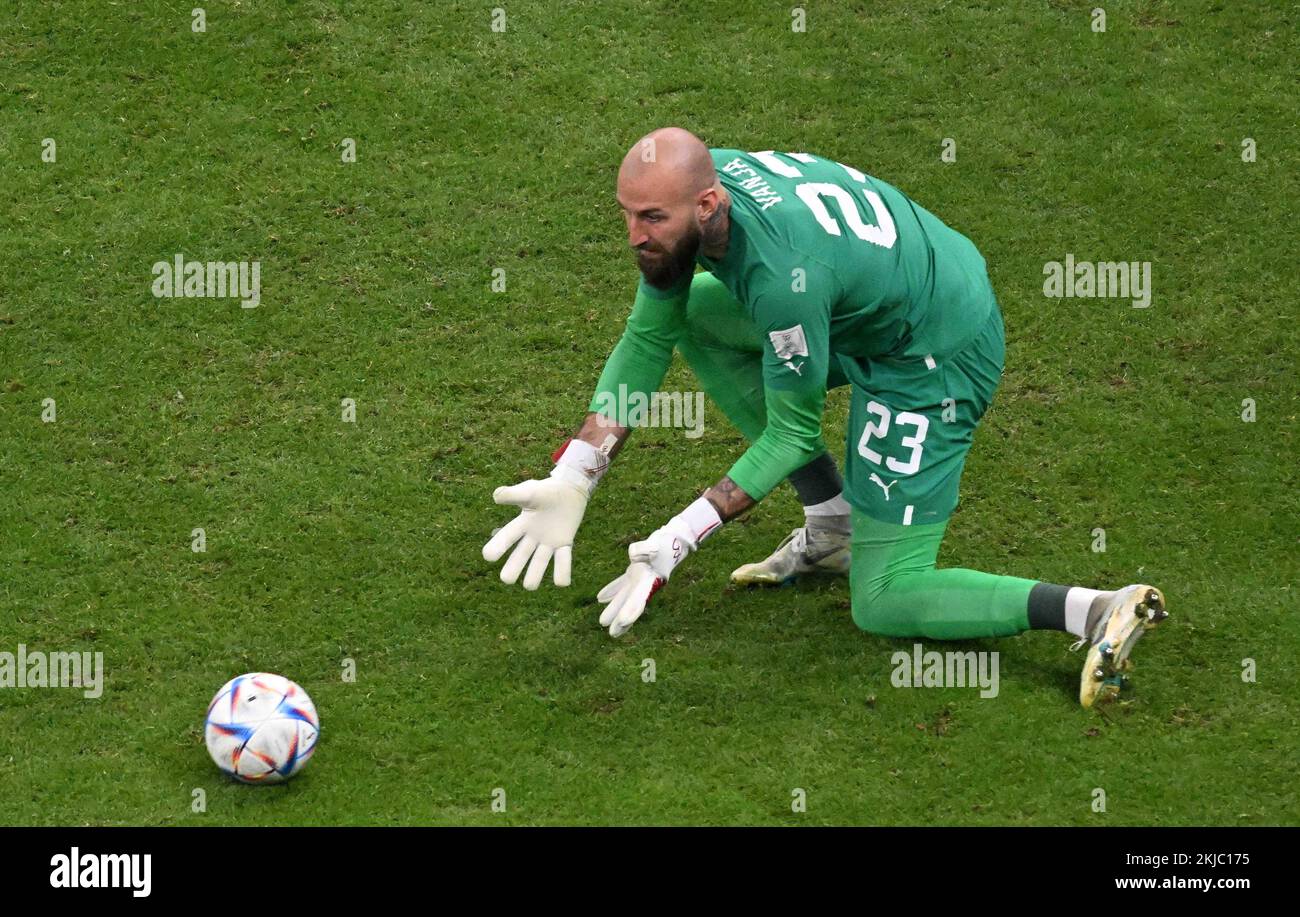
x=815, y=275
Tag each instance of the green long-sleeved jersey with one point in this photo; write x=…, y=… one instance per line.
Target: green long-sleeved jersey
x=829, y=264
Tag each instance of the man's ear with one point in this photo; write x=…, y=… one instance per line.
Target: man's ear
x=708, y=201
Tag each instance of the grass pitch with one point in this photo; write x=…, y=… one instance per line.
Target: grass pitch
x=479, y=150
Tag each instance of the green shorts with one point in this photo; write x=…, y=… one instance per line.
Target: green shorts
x=911, y=423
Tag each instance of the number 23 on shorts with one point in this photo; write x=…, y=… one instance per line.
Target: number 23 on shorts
x=879, y=428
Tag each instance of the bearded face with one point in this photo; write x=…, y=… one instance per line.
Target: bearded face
x=663, y=264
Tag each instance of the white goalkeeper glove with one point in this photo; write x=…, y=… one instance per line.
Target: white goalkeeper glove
x=652, y=563
x=550, y=512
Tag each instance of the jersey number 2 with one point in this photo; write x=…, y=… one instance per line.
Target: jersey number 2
x=812, y=193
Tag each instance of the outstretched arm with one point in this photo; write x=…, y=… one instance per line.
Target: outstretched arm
x=551, y=509
x=794, y=382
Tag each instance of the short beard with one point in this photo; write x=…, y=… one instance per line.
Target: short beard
x=666, y=271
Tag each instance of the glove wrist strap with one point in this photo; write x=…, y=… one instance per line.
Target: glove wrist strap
x=696, y=523
x=581, y=464
x=571, y=475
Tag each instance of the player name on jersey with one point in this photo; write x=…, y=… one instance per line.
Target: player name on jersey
x=756, y=186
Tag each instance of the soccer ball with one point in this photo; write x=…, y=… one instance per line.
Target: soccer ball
x=261, y=728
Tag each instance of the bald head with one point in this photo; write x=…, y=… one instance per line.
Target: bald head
x=671, y=197
x=670, y=164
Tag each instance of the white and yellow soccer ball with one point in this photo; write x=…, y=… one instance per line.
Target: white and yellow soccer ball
x=261, y=728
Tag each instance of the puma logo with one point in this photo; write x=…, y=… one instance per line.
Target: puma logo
x=798, y=370
x=883, y=486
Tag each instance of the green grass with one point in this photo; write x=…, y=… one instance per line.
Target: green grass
x=479, y=150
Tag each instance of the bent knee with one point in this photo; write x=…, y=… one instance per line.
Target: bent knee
x=877, y=610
